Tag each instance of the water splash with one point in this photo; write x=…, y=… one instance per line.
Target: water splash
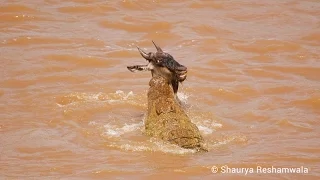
x=77, y=97
x=114, y=131
x=119, y=131
x=152, y=145
x=183, y=97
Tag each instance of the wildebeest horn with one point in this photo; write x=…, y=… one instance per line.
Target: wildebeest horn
x=144, y=54
x=158, y=48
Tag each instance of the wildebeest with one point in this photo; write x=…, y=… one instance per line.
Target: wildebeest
x=162, y=64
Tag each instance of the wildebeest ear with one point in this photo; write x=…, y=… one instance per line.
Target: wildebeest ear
x=158, y=48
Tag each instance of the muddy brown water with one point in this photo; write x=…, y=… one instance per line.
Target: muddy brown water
x=71, y=110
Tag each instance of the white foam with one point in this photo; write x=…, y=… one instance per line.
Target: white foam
x=154, y=145
x=60, y=105
x=114, y=131
x=205, y=130
x=170, y=148
x=129, y=147
x=224, y=142
x=95, y=96
x=183, y=97
x=123, y=95
x=216, y=125
x=77, y=98
x=92, y=123
x=206, y=126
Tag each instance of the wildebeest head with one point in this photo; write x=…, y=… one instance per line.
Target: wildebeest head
x=162, y=64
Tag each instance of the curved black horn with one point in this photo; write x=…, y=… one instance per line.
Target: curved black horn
x=144, y=54
x=158, y=48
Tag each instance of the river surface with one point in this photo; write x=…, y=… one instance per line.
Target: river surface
x=69, y=108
